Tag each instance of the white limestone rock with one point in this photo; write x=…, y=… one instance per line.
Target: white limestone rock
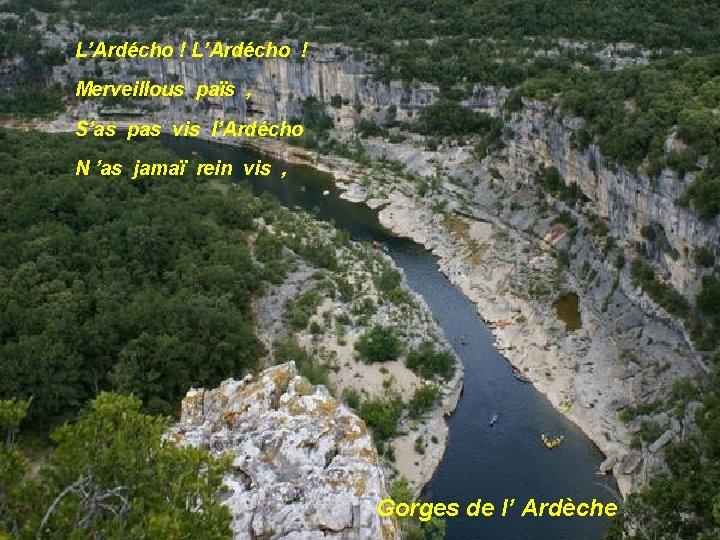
x=304, y=466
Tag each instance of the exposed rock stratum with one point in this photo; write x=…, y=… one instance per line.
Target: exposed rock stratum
x=304, y=466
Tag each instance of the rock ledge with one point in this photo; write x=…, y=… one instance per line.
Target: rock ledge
x=304, y=467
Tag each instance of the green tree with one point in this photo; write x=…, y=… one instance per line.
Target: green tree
x=424, y=399
x=379, y=344
x=111, y=476
x=105, y=284
x=426, y=362
x=381, y=416
x=13, y=464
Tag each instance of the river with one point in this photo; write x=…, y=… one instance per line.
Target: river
x=505, y=461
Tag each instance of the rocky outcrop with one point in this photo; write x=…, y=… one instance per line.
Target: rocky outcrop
x=304, y=467
x=630, y=202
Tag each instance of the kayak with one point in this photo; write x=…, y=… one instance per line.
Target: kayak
x=494, y=419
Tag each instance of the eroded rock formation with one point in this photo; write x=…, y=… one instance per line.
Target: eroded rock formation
x=304, y=466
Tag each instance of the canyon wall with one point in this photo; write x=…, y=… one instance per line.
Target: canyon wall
x=541, y=133
x=629, y=202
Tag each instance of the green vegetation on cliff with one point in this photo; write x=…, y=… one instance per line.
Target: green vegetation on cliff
x=684, y=502
x=635, y=110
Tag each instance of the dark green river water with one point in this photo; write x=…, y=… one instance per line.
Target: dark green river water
x=506, y=461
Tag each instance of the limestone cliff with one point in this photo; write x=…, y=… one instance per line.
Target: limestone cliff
x=304, y=467
x=540, y=133
x=543, y=133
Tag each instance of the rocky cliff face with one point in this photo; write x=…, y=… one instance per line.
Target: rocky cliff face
x=304, y=467
x=541, y=133
x=276, y=85
x=630, y=202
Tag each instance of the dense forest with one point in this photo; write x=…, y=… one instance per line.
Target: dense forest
x=657, y=23
x=111, y=288
x=107, y=284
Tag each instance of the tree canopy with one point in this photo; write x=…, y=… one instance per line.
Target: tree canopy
x=110, y=476
x=105, y=284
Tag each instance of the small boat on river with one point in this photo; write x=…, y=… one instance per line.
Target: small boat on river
x=494, y=419
x=519, y=375
x=551, y=442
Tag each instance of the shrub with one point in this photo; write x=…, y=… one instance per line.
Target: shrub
x=366, y=306
x=381, y=417
x=368, y=128
x=704, y=193
x=419, y=445
x=423, y=400
x=351, y=397
x=426, y=362
x=289, y=349
x=704, y=256
x=345, y=288
x=388, y=280
x=451, y=118
x=379, y=344
x=662, y=293
x=299, y=310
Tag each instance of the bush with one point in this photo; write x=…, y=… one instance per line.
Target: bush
x=388, y=280
x=366, y=306
x=299, y=310
x=426, y=362
x=287, y=350
x=379, y=344
x=368, y=128
x=449, y=118
x=704, y=256
x=381, y=417
x=419, y=445
x=423, y=400
x=313, y=114
x=351, y=397
x=662, y=293
x=552, y=182
x=650, y=431
x=704, y=194
x=708, y=299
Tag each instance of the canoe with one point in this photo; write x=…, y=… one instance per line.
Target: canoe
x=494, y=419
